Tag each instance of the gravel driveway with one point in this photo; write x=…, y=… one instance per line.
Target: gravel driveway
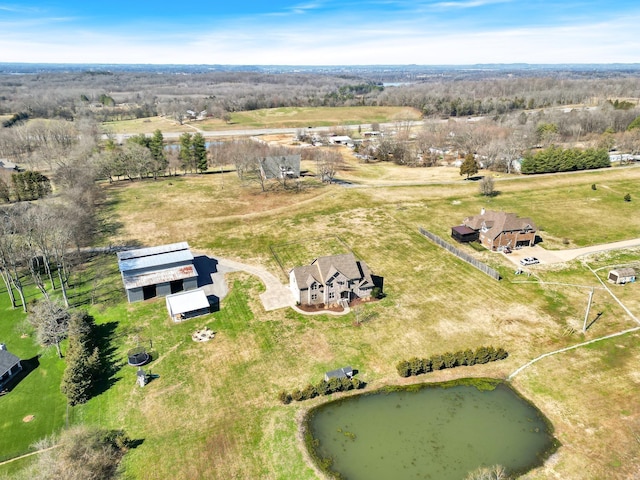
x=559, y=256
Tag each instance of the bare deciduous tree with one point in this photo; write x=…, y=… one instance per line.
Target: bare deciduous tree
x=51, y=323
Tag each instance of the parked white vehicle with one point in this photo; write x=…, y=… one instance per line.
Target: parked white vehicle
x=529, y=261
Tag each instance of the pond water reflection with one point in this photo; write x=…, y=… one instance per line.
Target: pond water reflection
x=441, y=432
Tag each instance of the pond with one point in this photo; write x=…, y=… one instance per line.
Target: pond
x=431, y=431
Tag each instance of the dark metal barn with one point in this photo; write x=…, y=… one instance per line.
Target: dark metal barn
x=157, y=271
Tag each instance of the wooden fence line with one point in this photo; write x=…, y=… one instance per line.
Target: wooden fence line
x=460, y=254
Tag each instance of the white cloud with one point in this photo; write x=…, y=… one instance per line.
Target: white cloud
x=467, y=4
x=322, y=43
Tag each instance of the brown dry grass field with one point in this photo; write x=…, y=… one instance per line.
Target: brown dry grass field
x=285, y=117
x=213, y=412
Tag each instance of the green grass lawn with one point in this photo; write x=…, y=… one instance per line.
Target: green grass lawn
x=37, y=393
x=213, y=410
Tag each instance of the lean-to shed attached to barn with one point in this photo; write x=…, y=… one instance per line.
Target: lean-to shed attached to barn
x=186, y=305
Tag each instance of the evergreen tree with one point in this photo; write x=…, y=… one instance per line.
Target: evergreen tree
x=199, y=152
x=469, y=165
x=30, y=185
x=82, y=360
x=140, y=139
x=323, y=387
x=156, y=145
x=403, y=368
x=186, y=152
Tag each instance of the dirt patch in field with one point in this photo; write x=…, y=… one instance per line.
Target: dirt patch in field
x=28, y=418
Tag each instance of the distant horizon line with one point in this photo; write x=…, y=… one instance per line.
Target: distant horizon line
x=331, y=65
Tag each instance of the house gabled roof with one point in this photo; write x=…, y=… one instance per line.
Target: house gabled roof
x=346, y=264
x=7, y=361
x=323, y=268
x=306, y=275
x=498, y=222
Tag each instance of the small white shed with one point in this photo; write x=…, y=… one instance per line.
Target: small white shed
x=185, y=305
x=621, y=276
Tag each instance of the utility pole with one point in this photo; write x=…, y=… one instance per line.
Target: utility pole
x=586, y=315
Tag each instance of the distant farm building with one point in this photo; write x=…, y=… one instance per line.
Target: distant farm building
x=331, y=280
x=340, y=140
x=500, y=230
x=281, y=166
x=9, y=365
x=185, y=305
x=157, y=271
x=621, y=276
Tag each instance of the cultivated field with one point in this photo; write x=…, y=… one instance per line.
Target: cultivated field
x=213, y=412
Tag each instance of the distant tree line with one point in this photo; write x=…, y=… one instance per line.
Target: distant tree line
x=557, y=159
x=138, y=94
x=418, y=366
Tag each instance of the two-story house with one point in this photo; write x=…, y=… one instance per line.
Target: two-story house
x=330, y=280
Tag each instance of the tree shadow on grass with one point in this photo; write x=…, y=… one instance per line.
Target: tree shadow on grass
x=135, y=443
x=110, y=361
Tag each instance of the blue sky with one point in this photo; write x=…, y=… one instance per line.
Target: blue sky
x=320, y=32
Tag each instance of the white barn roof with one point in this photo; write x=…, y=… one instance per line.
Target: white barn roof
x=154, y=257
x=145, y=252
x=185, y=302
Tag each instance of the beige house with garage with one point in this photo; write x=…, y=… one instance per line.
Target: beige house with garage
x=331, y=280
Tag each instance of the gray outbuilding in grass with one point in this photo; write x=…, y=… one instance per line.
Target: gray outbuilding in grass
x=620, y=276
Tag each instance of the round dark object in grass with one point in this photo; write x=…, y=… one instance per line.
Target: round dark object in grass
x=137, y=356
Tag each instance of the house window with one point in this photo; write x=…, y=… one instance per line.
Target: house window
x=340, y=282
x=332, y=295
x=314, y=296
x=314, y=286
